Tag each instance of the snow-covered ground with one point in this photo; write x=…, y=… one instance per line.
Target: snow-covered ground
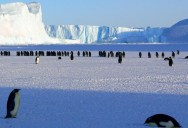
x=94, y=92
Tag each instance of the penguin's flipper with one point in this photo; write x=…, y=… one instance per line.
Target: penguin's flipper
x=10, y=105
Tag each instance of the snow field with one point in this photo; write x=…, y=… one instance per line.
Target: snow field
x=94, y=92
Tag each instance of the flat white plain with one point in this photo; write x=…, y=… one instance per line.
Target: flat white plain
x=94, y=92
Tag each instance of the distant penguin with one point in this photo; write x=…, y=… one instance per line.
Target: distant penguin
x=149, y=55
x=178, y=52
x=120, y=58
x=140, y=55
x=170, y=61
x=72, y=56
x=37, y=60
x=13, y=104
x=162, y=120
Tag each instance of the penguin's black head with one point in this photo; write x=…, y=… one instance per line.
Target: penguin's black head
x=148, y=120
x=16, y=90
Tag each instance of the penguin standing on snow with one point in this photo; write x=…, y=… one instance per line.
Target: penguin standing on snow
x=120, y=58
x=37, y=60
x=13, y=104
x=170, y=61
x=162, y=120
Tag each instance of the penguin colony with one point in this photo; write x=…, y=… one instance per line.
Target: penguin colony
x=119, y=55
x=158, y=120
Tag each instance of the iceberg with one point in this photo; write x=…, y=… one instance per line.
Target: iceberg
x=103, y=34
x=21, y=24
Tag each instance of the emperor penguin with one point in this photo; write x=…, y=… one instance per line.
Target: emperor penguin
x=162, y=120
x=13, y=104
x=170, y=61
x=37, y=60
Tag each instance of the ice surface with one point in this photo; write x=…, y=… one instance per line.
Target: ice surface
x=94, y=92
x=34, y=8
x=22, y=24
x=101, y=34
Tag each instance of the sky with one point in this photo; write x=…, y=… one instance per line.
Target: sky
x=123, y=13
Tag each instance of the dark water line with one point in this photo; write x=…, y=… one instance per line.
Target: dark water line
x=107, y=47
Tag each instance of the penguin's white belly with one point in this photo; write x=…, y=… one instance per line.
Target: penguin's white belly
x=168, y=124
x=152, y=124
x=37, y=60
x=17, y=103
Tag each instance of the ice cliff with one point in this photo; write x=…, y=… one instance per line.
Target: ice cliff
x=22, y=24
x=103, y=34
